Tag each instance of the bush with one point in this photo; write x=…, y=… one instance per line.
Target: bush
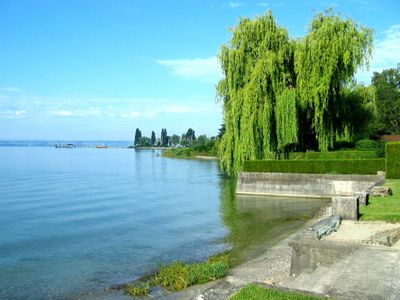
x=337, y=155
x=393, y=160
x=369, y=145
x=333, y=166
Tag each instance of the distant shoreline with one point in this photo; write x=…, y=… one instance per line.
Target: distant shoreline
x=148, y=148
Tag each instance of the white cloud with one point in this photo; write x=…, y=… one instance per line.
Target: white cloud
x=235, y=4
x=130, y=114
x=200, y=68
x=386, y=54
x=91, y=112
x=13, y=114
x=62, y=113
x=111, y=109
x=147, y=109
x=263, y=4
x=11, y=89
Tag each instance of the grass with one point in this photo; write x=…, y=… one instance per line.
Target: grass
x=178, y=275
x=139, y=289
x=255, y=292
x=384, y=208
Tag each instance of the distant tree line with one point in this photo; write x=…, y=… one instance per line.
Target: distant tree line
x=387, y=91
x=187, y=139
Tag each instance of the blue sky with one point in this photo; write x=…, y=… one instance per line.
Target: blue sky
x=88, y=70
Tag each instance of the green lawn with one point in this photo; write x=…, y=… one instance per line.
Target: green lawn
x=384, y=208
x=255, y=292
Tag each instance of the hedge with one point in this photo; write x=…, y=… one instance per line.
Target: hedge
x=393, y=160
x=352, y=154
x=332, y=166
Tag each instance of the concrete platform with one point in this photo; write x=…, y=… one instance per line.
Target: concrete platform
x=368, y=272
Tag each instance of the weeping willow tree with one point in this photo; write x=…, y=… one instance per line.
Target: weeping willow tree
x=258, y=67
x=325, y=62
x=278, y=93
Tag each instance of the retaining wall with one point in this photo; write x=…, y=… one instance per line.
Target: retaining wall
x=304, y=185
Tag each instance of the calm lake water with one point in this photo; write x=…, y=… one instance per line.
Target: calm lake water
x=74, y=222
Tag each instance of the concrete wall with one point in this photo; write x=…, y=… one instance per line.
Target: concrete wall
x=304, y=185
x=309, y=253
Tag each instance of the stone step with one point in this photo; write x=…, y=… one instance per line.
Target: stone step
x=366, y=274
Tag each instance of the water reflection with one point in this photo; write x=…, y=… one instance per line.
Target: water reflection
x=256, y=223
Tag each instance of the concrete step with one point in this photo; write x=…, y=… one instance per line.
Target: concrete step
x=366, y=274
x=318, y=280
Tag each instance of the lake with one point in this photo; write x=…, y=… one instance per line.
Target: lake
x=75, y=222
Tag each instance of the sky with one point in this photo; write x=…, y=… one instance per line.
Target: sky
x=97, y=70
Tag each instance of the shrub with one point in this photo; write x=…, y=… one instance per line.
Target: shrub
x=393, y=160
x=336, y=166
x=369, y=145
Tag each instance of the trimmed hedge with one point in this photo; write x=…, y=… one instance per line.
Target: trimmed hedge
x=393, y=160
x=332, y=166
x=352, y=154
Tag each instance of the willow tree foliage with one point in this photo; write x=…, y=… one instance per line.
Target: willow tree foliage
x=258, y=66
x=325, y=61
x=277, y=92
x=358, y=111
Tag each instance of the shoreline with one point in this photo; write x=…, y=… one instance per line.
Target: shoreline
x=270, y=269
x=275, y=260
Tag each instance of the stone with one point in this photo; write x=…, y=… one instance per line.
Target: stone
x=346, y=207
x=363, y=198
x=381, y=191
x=326, y=226
x=386, y=238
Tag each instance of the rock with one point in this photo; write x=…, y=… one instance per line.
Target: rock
x=363, y=198
x=381, y=191
x=346, y=207
x=386, y=238
x=381, y=173
x=326, y=226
